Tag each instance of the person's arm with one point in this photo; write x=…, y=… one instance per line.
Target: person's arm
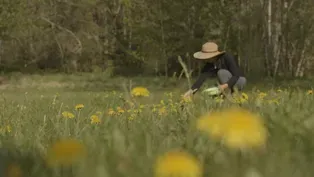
x=234, y=70
x=206, y=72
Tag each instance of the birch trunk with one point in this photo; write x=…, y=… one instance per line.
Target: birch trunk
x=269, y=41
x=276, y=36
x=300, y=66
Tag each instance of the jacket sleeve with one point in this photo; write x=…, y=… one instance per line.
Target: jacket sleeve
x=234, y=70
x=207, y=71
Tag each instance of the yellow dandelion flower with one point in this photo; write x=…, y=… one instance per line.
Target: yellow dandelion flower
x=162, y=111
x=245, y=96
x=243, y=129
x=120, y=110
x=211, y=123
x=239, y=100
x=136, y=111
x=262, y=95
x=132, y=116
x=275, y=101
x=95, y=119
x=67, y=115
x=111, y=112
x=79, y=106
x=177, y=163
x=13, y=170
x=242, y=98
x=140, y=91
x=236, y=127
x=65, y=152
x=310, y=92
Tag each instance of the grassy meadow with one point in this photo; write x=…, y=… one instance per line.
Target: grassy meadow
x=90, y=125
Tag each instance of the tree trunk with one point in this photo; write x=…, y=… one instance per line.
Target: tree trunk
x=276, y=36
x=269, y=39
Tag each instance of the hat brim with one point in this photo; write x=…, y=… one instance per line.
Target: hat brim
x=205, y=56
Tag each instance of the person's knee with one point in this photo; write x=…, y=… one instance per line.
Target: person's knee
x=241, y=83
x=223, y=75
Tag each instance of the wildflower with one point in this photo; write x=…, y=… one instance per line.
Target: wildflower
x=310, y=92
x=79, y=106
x=95, y=119
x=211, y=123
x=245, y=96
x=111, y=112
x=243, y=129
x=237, y=128
x=275, y=101
x=120, y=110
x=67, y=115
x=140, y=91
x=162, y=111
x=136, y=111
x=240, y=99
x=177, y=163
x=262, y=95
x=132, y=116
x=65, y=152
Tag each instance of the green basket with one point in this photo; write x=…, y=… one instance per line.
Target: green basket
x=212, y=91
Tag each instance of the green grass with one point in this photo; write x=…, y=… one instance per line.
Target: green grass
x=125, y=147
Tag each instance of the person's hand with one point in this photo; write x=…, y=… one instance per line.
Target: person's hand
x=223, y=87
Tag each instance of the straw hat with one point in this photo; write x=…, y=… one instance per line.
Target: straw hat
x=209, y=50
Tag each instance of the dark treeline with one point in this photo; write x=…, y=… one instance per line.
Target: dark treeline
x=129, y=37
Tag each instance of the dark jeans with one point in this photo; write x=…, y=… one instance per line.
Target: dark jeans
x=224, y=75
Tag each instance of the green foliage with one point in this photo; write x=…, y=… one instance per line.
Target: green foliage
x=76, y=35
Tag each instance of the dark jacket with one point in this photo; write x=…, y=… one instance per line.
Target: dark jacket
x=225, y=61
